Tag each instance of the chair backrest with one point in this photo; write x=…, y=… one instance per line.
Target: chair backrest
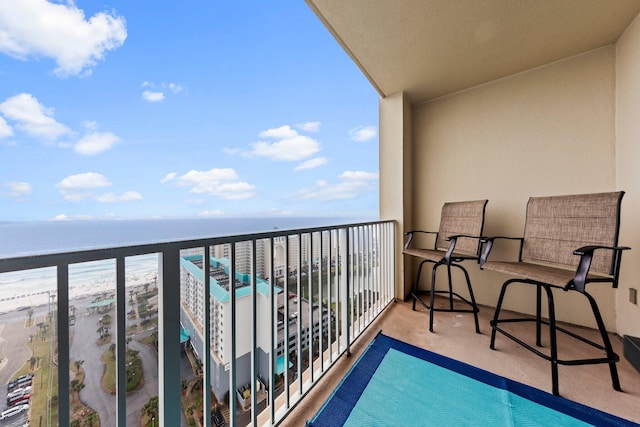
x=558, y=225
x=461, y=218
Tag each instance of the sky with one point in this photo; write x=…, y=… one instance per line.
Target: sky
x=144, y=109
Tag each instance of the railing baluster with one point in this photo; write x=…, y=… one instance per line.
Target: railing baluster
x=254, y=336
x=233, y=386
x=206, y=351
x=299, y=313
x=121, y=344
x=169, y=339
x=62, y=329
x=274, y=334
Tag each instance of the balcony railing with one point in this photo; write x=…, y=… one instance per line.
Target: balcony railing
x=333, y=282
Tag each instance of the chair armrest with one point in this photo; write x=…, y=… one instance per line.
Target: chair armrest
x=411, y=235
x=454, y=239
x=488, y=242
x=586, y=256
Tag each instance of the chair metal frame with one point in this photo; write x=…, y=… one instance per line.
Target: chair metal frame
x=451, y=257
x=575, y=281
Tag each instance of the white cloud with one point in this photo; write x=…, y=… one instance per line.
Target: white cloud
x=80, y=186
x=289, y=145
x=213, y=213
x=95, y=143
x=36, y=28
x=169, y=177
x=363, y=134
x=222, y=183
x=279, y=133
x=152, y=96
x=63, y=217
x=310, y=126
x=128, y=196
x=5, y=129
x=76, y=188
x=278, y=212
x=174, y=87
x=231, y=150
x=32, y=117
x=18, y=189
x=313, y=163
x=352, y=184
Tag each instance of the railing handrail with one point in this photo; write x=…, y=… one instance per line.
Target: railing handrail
x=53, y=258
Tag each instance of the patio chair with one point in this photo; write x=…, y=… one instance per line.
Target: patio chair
x=457, y=240
x=569, y=241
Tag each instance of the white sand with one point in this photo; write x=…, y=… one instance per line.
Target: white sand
x=91, y=288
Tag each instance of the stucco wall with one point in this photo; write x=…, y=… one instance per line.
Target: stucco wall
x=548, y=131
x=396, y=187
x=628, y=171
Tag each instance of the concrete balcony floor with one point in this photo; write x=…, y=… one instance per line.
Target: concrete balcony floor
x=454, y=336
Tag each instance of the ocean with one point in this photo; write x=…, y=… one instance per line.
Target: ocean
x=32, y=287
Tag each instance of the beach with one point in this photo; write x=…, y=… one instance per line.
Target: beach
x=16, y=299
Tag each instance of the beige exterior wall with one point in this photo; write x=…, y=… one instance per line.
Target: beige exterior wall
x=628, y=171
x=395, y=174
x=548, y=131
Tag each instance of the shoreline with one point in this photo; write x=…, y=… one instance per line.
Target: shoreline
x=38, y=299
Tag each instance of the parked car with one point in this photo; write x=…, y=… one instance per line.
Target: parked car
x=8, y=413
x=19, y=400
x=21, y=381
x=19, y=391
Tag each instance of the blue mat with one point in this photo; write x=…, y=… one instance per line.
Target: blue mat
x=397, y=384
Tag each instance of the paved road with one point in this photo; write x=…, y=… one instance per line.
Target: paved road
x=14, y=337
x=85, y=348
x=13, y=347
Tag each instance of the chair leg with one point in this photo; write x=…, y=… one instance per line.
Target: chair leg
x=611, y=355
x=553, y=342
x=494, y=322
x=432, y=295
x=450, y=287
x=539, y=315
x=414, y=292
x=471, y=296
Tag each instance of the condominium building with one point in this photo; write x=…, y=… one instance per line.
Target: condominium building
x=304, y=318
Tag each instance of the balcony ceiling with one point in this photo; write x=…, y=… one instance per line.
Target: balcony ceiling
x=431, y=48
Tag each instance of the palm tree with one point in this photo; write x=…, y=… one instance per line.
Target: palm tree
x=91, y=419
x=29, y=316
x=78, y=364
x=75, y=386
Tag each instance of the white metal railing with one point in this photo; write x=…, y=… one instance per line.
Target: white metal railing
x=335, y=281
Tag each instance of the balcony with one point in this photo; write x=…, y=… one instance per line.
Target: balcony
x=348, y=270
x=364, y=255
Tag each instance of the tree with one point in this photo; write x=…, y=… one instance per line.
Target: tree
x=146, y=287
x=75, y=386
x=78, y=364
x=150, y=409
x=29, y=316
x=91, y=419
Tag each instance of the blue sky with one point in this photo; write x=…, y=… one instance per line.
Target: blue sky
x=171, y=109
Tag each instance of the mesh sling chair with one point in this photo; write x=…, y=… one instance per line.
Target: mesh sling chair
x=568, y=241
x=457, y=240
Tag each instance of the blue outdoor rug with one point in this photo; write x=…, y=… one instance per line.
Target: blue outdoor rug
x=397, y=384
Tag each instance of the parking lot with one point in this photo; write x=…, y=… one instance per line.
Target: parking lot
x=18, y=394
